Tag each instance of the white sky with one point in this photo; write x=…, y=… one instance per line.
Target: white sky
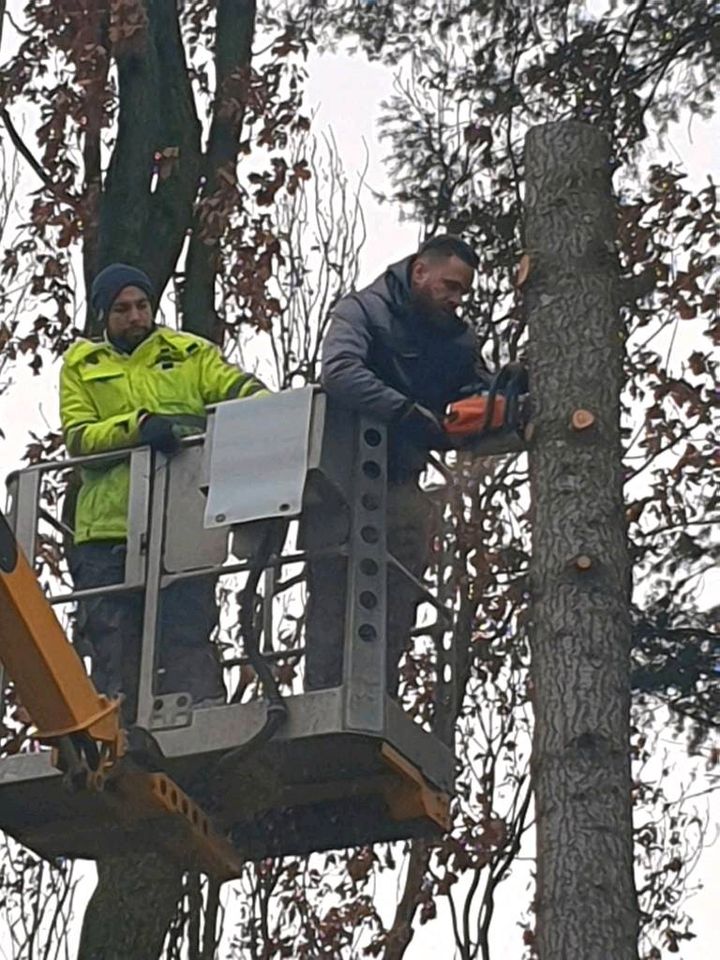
x=335, y=82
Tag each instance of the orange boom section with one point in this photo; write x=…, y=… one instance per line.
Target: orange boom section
x=49, y=677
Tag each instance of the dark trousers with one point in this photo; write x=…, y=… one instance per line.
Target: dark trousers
x=411, y=523
x=109, y=628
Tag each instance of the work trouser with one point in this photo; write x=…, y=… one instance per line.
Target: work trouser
x=110, y=629
x=411, y=524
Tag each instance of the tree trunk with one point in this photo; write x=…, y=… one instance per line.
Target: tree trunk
x=93, y=87
x=233, y=55
x=143, y=222
x=401, y=932
x=129, y=913
x=152, y=180
x=580, y=570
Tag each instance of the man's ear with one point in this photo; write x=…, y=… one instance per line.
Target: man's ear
x=418, y=271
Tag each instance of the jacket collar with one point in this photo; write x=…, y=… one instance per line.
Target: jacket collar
x=394, y=288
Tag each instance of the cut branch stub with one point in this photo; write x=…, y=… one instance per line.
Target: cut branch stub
x=523, y=271
x=582, y=420
x=582, y=563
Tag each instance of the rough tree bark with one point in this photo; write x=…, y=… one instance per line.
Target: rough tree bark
x=401, y=932
x=580, y=570
x=132, y=906
x=233, y=54
x=142, y=222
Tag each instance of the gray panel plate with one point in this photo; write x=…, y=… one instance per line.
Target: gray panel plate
x=188, y=545
x=258, y=457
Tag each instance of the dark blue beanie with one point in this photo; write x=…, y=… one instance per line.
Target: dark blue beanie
x=110, y=281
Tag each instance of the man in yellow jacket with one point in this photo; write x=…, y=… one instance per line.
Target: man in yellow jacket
x=140, y=384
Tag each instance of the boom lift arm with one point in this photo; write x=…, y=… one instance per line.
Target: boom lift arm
x=83, y=726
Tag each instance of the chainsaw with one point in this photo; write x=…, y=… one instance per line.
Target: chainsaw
x=499, y=408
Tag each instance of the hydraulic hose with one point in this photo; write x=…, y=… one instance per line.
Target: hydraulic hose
x=276, y=713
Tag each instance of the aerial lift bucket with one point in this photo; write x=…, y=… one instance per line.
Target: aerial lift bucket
x=349, y=766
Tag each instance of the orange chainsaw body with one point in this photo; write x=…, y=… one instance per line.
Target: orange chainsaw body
x=466, y=418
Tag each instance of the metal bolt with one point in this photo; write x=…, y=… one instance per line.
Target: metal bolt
x=219, y=518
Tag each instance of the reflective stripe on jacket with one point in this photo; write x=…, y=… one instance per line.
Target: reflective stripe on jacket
x=104, y=392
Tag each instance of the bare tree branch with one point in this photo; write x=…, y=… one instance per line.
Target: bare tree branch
x=17, y=141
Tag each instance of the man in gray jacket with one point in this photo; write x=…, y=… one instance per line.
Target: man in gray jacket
x=397, y=351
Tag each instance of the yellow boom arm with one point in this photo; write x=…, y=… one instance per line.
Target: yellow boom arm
x=47, y=672
x=62, y=701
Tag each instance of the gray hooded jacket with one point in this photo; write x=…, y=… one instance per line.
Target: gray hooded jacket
x=378, y=356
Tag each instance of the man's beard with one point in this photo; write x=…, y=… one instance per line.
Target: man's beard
x=136, y=336
x=131, y=339
x=431, y=314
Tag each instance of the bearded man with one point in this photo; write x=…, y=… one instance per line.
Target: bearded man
x=140, y=383
x=396, y=351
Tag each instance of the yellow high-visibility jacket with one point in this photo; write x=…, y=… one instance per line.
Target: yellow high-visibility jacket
x=103, y=394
